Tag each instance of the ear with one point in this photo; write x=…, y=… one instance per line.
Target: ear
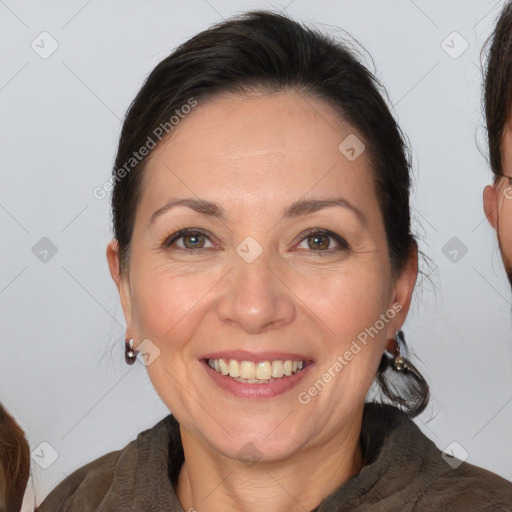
x=491, y=205
x=402, y=293
x=122, y=282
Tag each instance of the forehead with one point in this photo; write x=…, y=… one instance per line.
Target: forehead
x=259, y=147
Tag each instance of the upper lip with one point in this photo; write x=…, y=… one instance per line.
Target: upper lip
x=243, y=355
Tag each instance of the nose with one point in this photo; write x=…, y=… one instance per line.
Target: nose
x=256, y=298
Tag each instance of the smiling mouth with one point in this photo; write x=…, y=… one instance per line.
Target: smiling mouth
x=262, y=372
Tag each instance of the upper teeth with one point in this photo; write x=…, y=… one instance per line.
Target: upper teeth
x=263, y=370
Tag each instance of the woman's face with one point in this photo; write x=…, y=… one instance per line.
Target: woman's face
x=286, y=260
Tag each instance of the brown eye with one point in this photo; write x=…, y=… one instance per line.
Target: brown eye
x=322, y=241
x=318, y=242
x=194, y=241
x=188, y=240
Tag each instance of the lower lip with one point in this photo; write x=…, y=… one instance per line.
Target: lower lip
x=275, y=388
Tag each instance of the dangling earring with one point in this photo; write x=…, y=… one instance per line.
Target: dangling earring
x=410, y=390
x=399, y=362
x=130, y=355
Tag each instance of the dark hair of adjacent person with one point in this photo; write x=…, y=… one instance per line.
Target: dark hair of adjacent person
x=14, y=463
x=498, y=86
x=264, y=52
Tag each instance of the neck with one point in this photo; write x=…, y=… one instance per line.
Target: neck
x=209, y=481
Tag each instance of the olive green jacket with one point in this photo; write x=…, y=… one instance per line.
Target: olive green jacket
x=403, y=471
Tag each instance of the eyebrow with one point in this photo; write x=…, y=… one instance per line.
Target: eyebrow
x=300, y=207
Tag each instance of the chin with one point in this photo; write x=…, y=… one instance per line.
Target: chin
x=259, y=444
x=261, y=451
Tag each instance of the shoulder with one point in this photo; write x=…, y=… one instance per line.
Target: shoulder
x=451, y=484
x=423, y=476
x=107, y=479
x=465, y=487
x=88, y=484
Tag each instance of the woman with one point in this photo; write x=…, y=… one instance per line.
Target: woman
x=265, y=266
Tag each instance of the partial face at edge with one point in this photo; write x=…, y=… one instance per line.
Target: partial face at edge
x=498, y=203
x=323, y=275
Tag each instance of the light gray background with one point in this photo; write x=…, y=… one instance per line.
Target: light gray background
x=62, y=372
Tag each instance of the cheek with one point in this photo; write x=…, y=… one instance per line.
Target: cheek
x=505, y=227
x=348, y=306
x=351, y=311
x=348, y=298
x=167, y=304
x=355, y=305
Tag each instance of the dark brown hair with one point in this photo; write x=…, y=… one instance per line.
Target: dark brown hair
x=266, y=52
x=498, y=86
x=14, y=463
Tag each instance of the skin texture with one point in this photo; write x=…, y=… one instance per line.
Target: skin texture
x=254, y=156
x=498, y=203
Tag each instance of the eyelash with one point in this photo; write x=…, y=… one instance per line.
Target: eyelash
x=342, y=243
